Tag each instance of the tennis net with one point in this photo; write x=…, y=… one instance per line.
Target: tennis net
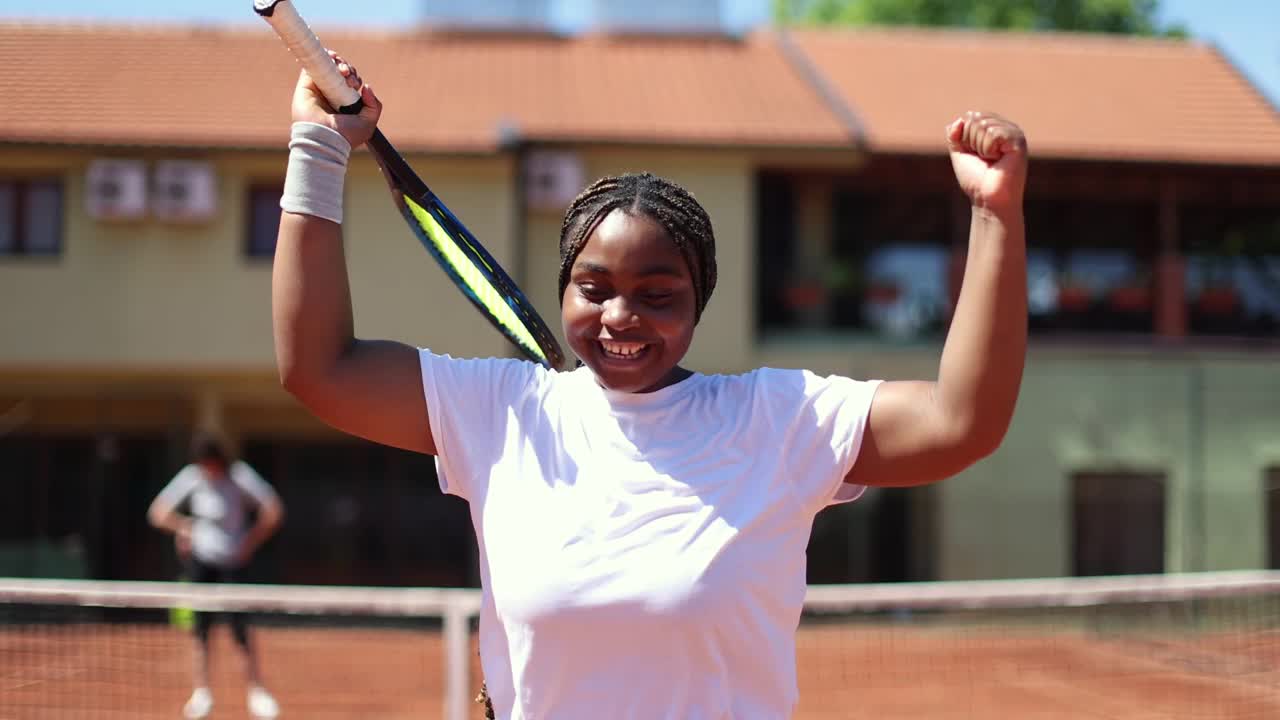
x=1170, y=646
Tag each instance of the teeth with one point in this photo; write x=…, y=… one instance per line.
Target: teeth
x=621, y=349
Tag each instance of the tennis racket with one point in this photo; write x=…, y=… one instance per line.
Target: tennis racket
x=462, y=257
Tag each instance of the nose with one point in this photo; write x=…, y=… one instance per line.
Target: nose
x=618, y=315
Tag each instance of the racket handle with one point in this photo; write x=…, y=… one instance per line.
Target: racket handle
x=306, y=47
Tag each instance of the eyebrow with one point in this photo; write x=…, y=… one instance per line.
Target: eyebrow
x=647, y=271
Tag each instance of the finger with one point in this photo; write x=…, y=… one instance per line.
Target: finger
x=372, y=109
x=986, y=142
x=353, y=79
x=304, y=81
x=989, y=143
x=972, y=132
x=953, y=132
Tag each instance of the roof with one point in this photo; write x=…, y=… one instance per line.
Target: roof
x=442, y=91
x=889, y=91
x=1075, y=95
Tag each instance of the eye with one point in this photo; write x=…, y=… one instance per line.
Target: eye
x=657, y=297
x=593, y=292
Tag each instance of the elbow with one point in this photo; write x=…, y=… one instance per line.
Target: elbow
x=292, y=379
x=299, y=380
x=157, y=517
x=984, y=435
x=290, y=369
x=307, y=374
x=275, y=518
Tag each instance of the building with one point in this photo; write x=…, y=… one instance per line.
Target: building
x=138, y=202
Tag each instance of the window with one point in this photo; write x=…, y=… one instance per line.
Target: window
x=264, y=220
x=883, y=267
x=30, y=217
x=1118, y=523
x=1232, y=270
x=890, y=263
x=1089, y=266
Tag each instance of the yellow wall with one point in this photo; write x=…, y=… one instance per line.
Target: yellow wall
x=138, y=324
x=145, y=295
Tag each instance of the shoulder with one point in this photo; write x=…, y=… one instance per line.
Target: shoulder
x=482, y=374
x=189, y=476
x=787, y=389
x=765, y=382
x=185, y=481
x=243, y=474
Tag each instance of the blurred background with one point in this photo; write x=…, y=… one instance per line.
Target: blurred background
x=142, y=154
x=142, y=168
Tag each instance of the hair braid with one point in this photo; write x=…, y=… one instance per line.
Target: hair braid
x=661, y=200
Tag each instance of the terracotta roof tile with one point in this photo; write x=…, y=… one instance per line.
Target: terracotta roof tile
x=1086, y=96
x=1077, y=96
x=230, y=87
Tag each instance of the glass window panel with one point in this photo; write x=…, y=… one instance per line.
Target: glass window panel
x=264, y=221
x=1089, y=265
x=43, y=218
x=1232, y=279
x=906, y=294
x=8, y=218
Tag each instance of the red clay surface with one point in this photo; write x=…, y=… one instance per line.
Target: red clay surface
x=142, y=672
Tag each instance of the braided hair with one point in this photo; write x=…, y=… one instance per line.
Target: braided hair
x=658, y=199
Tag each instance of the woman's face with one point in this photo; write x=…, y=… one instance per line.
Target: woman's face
x=629, y=308
x=213, y=469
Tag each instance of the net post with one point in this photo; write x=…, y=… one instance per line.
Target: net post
x=457, y=663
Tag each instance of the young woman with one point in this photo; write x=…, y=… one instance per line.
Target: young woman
x=215, y=540
x=643, y=526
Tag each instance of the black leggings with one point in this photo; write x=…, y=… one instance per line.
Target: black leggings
x=201, y=573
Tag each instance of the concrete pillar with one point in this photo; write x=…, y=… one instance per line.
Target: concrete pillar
x=1170, y=270
x=812, y=251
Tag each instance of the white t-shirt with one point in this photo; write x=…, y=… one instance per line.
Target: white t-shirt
x=219, y=510
x=642, y=556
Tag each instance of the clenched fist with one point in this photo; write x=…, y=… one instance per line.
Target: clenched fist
x=989, y=155
x=309, y=105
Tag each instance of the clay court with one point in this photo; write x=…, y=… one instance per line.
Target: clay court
x=141, y=671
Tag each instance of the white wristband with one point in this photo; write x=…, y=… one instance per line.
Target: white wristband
x=317, y=167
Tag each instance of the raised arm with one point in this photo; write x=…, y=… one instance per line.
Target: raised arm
x=921, y=432
x=368, y=388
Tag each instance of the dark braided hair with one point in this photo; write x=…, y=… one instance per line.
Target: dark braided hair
x=660, y=200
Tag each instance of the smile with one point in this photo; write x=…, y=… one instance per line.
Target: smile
x=623, y=350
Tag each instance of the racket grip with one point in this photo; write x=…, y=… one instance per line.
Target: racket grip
x=305, y=46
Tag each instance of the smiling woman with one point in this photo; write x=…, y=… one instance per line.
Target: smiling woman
x=631, y=297
x=642, y=527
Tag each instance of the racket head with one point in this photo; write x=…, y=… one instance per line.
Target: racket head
x=466, y=262
x=463, y=259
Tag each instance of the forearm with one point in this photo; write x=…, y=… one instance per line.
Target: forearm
x=171, y=522
x=982, y=360
x=310, y=299
x=261, y=531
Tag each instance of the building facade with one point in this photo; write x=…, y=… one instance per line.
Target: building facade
x=1144, y=438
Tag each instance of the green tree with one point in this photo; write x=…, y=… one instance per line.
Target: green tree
x=1125, y=17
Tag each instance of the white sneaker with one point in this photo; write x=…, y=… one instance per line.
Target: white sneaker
x=199, y=705
x=261, y=704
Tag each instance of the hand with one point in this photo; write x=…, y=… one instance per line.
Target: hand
x=182, y=542
x=309, y=105
x=244, y=554
x=989, y=155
